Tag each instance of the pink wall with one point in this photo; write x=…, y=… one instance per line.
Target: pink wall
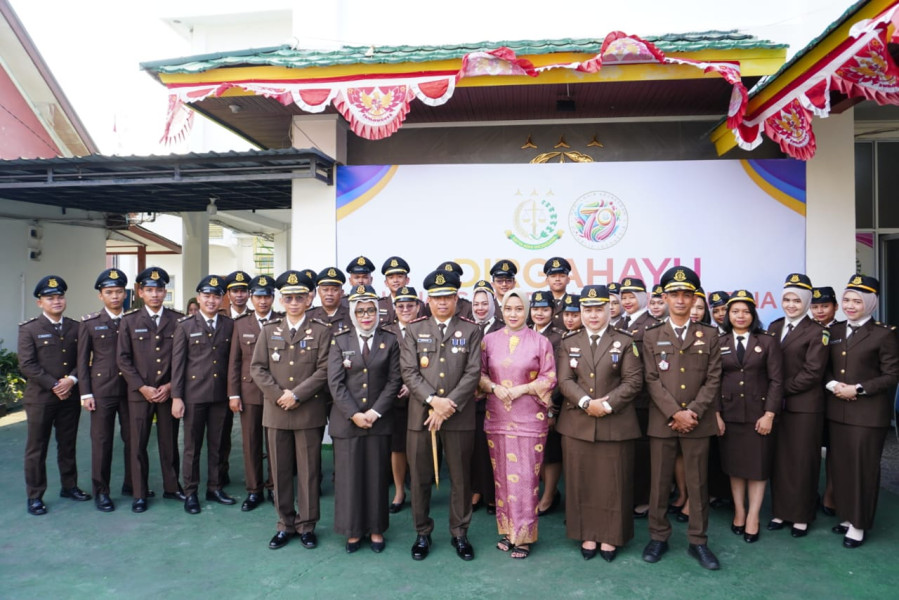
x=21, y=133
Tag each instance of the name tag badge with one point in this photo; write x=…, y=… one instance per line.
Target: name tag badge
x=663, y=343
x=248, y=335
x=197, y=333
x=145, y=330
x=101, y=327
x=44, y=335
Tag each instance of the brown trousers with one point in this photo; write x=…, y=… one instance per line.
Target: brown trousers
x=141, y=419
x=102, y=438
x=42, y=419
x=252, y=435
x=201, y=419
x=663, y=453
x=458, y=447
x=296, y=451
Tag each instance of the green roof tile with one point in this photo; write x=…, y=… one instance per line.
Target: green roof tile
x=286, y=56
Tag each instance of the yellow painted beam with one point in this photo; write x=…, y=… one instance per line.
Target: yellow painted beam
x=724, y=139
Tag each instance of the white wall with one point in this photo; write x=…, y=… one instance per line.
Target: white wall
x=74, y=252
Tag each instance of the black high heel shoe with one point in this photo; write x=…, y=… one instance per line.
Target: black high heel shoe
x=738, y=529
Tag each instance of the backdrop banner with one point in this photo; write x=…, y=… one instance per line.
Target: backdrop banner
x=739, y=224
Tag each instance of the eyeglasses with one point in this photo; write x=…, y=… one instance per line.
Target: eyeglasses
x=293, y=299
x=366, y=312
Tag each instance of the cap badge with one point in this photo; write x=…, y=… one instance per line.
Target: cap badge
x=360, y=289
x=816, y=294
x=857, y=281
x=113, y=274
x=213, y=281
x=538, y=296
x=591, y=293
x=393, y=263
x=567, y=299
x=505, y=267
x=440, y=280
x=360, y=261
x=556, y=263
x=680, y=275
x=292, y=279
x=716, y=298
x=404, y=290
x=52, y=283
x=741, y=294
x=627, y=282
x=238, y=277
x=448, y=267
x=794, y=279
x=154, y=275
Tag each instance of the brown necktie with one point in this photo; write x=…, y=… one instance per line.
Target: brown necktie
x=442, y=328
x=594, y=341
x=679, y=331
x=365, y=349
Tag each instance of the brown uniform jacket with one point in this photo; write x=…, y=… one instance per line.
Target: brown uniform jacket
x=145, y=351
x=637, y=328
x=463, y=309
x=430, y=367
x=554, y=335
x=750, y=390
x=805, y=356
x=243, y=342
x=364, y=385
x=339, y=321
x=45, y=357
x=386, y=310
x=870, y=357
x=98, y=373
x=691, y=381
x=299, y=364
x=200, y=359
x=613, y=369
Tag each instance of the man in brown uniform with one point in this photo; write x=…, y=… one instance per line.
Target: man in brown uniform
x=238, y=295
x=47, y=355
x=290, y=366
x=145, y=360
x=682, y=362
x=244, y=395
x=103, y=390
x=334, y=309
x=396, y=276
x=359, y=270
x=200, y=353
x=557, y=271
x=440, y=361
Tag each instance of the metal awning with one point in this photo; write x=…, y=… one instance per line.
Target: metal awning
x=247, y=180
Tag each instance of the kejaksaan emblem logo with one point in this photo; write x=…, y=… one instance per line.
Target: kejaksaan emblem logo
x=598, y=220
x=535, y=224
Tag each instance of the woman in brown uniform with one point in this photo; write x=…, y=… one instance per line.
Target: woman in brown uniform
x=751, y=396
x=797, y=461
x=600, y=373
x=864, y=369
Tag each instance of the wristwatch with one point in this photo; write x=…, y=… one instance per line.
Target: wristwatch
x=583, y=403
x=859, y=390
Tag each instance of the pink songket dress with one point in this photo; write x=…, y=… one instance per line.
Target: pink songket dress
x=516, y=436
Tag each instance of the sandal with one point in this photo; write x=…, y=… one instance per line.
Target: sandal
x=504, y=544
x=520, y=552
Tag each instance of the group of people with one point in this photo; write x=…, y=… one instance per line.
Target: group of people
x=629, y=391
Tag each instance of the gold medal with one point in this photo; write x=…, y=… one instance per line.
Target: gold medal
x=699, y=334
x=424, y=362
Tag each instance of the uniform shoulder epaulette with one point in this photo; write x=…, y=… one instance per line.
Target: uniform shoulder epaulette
x=424, y=318
x=383, y=327
x=467, y=320
x=242, y=315
x=184, y=318
x=885, y=325
x=654, y=325
x=771, y=333
x=90, y=316
x=132, y=311
x=623, y=331
x=341, y=332
x=320, y=322
x=558, y=330
x=273, y=321
x=27, y=321
x=568, y=334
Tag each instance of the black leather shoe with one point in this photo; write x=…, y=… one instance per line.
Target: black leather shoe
x=775, y=526
x=36, y=506
x=738, y=529
x=139, y=505
x=751, y=538
x=840, y=529
x=673, y=509
x=654, y=550
x=220, y=496
x=396, y=507
x=798, y=533
x=353, y=546
x=252, y=501
x=192, y=505
x=851, y=544
x=179, y=495
x=557, y=499
x=463, y=548
x=491, y=509
x=588, y=553
x=104, y=503
x=608, y=555
x=681, y=517
x=704, y=556
x=378, y=547
x=421, y=547
x=309, y=539
x=280, y=540
x=830, y=512
x=75, y=494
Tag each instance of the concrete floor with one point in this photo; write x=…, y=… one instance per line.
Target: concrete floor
x=77, y=552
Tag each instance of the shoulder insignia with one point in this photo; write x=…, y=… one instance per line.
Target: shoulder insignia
x=424, y=318
x=568, y=334
x=320, y=322
x=132, y=311
x=341, y=332
x=558, y=330
x=467, y=320
x=28, y=321
x=243, y=315
x=273, y=321
x=765, y=332
x=623, y=332
x=90, y=316
x=185, y=318
x=654, y=325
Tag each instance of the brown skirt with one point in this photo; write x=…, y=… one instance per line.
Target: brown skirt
x=856, y=452
x=599, y=490
x=797, y=467
x=746, y=454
